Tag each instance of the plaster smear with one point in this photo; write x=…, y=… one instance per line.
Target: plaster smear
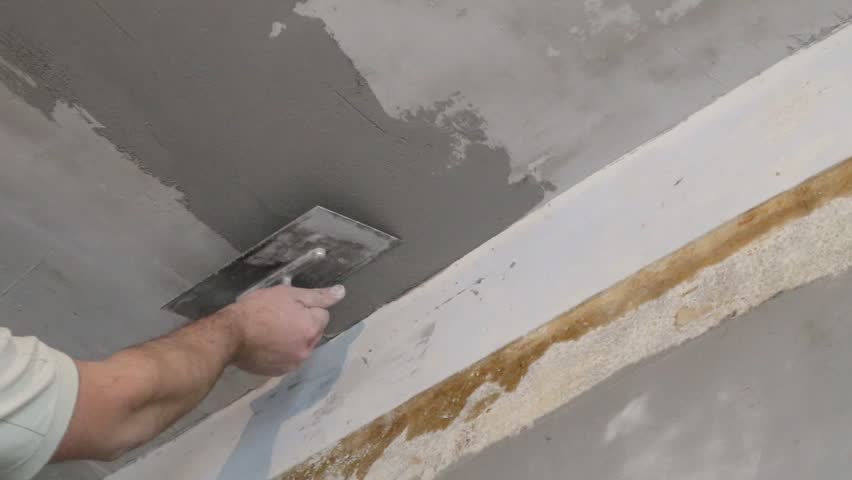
x=802, y=251
x=277, y=28
x=623, y=16
x=478, y=58
x=18, y=73
x=677, y=10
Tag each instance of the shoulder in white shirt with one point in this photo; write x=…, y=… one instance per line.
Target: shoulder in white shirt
x=38, y=391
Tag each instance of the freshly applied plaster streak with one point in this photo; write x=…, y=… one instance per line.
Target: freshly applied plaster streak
x=792, y=239
x=676, y=10
x=20, y=74
x=277, y=28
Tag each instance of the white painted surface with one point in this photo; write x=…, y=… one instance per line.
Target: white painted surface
x=756, y=142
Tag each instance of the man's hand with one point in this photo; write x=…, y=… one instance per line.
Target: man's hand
x=129, y=398
x=280, y=326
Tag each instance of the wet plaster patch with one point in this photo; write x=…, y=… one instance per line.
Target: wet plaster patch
x=251, y=152
x=793, y=239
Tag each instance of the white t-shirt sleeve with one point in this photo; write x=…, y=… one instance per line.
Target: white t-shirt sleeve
x=38, y=391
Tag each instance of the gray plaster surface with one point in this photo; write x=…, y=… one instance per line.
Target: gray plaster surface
x=255, y=124
x=764, y=396
x=255, y=132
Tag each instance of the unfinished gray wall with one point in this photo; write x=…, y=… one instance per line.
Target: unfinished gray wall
x=763, y=397
x=254, y=113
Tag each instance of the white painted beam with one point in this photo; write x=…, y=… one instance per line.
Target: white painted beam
x=760, y=140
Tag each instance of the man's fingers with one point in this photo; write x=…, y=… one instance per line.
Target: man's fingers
x=320, y=297
x=320, y=317
x=312, y=344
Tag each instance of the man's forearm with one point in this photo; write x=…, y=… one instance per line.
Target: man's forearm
x=183, y=367
x=138, y=392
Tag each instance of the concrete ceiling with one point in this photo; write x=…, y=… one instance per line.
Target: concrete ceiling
x=149, y=142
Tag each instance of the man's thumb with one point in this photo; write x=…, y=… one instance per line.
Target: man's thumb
x=323, y=297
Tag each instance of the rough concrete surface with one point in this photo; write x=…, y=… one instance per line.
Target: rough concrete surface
x=763, y=396
x=90, y=246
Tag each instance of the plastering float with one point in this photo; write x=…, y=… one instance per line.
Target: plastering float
x=318, y=249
